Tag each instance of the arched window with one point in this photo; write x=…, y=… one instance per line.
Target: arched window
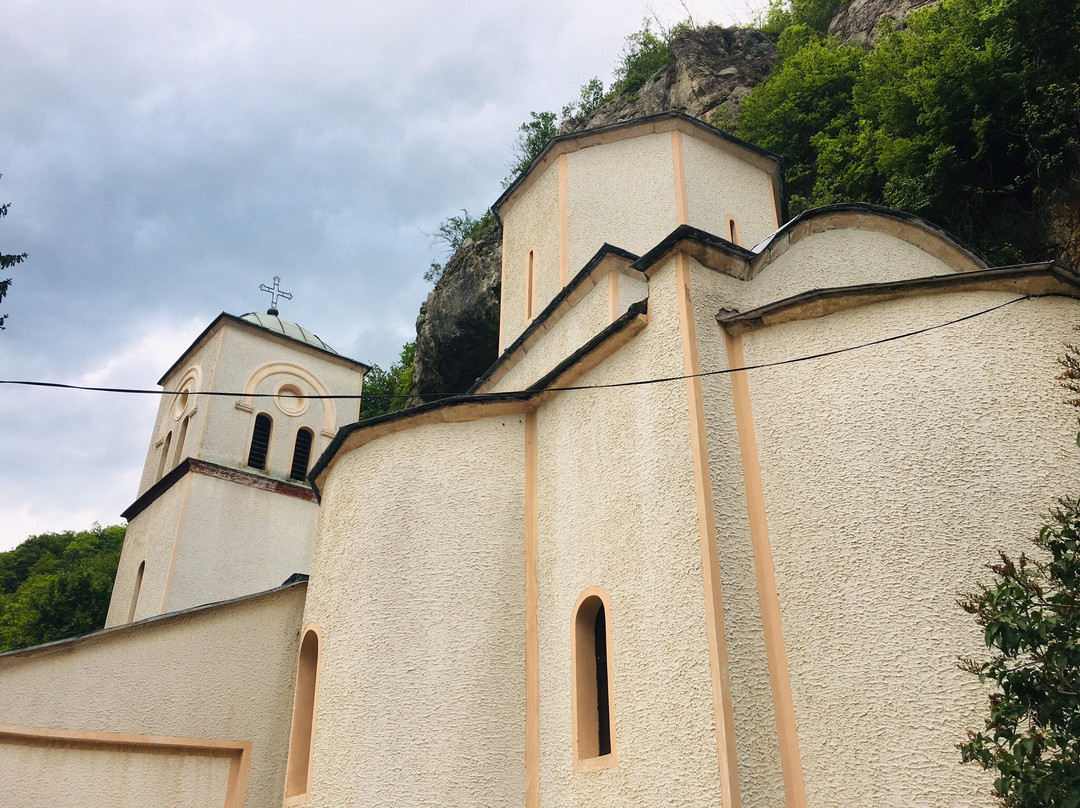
x=734, y=233
x=530, y=285
x=180, y=438
x=135, y=591
x=591, y=679
x=163, y=461
x=301, y=453
x=260, y=441
x=302, y=738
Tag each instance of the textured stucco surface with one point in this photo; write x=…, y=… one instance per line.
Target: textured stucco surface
x=827, y=259
x=616, y=510
x=631, y=289
x=622, y=193
x=170, y=415
x=149, y=538
x=532, y=223
x=755, y=725
x=720, y=184
x=418, y=590
x=573, y=329
x=237, y=540
x=224, y=673
x=891, y=475
x=106, y=778
x=228, y=434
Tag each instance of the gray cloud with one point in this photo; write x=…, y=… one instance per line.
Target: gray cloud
x=164, y=159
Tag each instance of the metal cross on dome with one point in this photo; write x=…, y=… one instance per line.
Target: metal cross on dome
x=275, y=293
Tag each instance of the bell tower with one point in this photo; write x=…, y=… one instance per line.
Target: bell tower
x=224, y=508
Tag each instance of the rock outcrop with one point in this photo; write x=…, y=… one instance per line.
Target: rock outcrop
x=457, y=332
x=712, y=69
x=858, y=20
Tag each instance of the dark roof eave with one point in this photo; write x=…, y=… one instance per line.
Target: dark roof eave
x=233, y=319
x=631, y=315
x=158, y=618
x=555, y=142
x=1021, y=275
x=549, y=310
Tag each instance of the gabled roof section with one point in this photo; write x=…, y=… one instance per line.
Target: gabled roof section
x=1035, y=280
x=739, y=262
x=651, y=124
x=570, y=294
x=471, y=407
x=272, y=333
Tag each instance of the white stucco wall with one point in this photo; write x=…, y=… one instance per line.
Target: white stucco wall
x=575, y=327
x=418, y=590
x=622, y=193
x=756, y=741
x=230, y=546
x=720, y=184
x=171, y=412
x=149, y=538
x=246, y=352
x=617, y=510
x=891, y=475
x=532, y=223
x=225, y=673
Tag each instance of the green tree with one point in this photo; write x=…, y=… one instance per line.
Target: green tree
x=386, y=391
x=6, y=262
x=1030, y=615
x=533, y=136
x=969, y=116
x=57, y=585
x=644, y=54
x=453, y=232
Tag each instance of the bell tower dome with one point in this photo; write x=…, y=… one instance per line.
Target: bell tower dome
x=224, y=508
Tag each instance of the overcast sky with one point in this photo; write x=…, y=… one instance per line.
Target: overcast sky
x=164, y=159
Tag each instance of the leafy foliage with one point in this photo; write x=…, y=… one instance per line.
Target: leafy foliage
x=453, y=232
x=643, y=55
x=6, y=262
x=386, y=391
x=1030, y=617
x=57, y=585
x=591, y=97
x=815, y=14
x=970, y=116
x=533, y=136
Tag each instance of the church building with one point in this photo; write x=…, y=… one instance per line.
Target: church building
x=694, y=539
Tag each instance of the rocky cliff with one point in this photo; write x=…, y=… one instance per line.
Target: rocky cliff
x=457, y=332
x=858, y=20
x=711, y=70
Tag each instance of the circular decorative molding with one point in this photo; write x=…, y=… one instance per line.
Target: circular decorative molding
x=184, y=398
x=288, y=398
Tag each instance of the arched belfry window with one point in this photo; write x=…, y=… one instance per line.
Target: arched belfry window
x=180, y=439
x=301, y=453
x=302, y=737
x=591, y=683
x=164, y=459
x=260, y=441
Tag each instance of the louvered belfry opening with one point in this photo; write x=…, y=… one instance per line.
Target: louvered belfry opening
x=260, y=441
x=301, y=454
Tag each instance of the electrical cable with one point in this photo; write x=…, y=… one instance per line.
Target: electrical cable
x=569, y=388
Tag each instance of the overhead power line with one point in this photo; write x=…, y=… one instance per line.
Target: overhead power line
x=568, y=388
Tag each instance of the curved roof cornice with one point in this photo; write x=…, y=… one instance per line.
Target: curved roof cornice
x=651, y=124
x=739, y=262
